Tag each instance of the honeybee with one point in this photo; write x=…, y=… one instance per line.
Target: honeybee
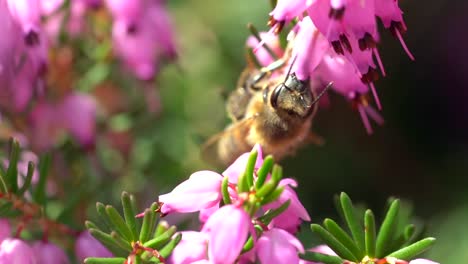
x=275, y=111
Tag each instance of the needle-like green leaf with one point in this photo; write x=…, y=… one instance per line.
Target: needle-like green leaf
x=411, y=251
x=386, y=234
x=356, y=229
x=333, y=243
x=369, y=229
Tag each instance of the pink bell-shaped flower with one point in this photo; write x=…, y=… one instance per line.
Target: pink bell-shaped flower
x=227, y=229
x=278, y=246
x=202, y=190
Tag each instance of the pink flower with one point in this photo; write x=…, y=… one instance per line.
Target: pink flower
x=287, y=10
x=278, y=246
x=27, y=14
x=309, y=48
x=126, y=10
x=202, y=190
x=293, y=216
x=191, y=248
x=77, y=111
x=392, y=18
x=422, y=261
x=238, y=167
x=228, y=229
x=49, y=253
x=5, y=229
x=16, y=251
x=262, y=55
x=87, y=246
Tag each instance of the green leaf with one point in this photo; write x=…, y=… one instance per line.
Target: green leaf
x=12, y=171
x=270, y=214
x=409, y=232
x=333, y=243
x=39, y=195
x=225, y=190
x=28, y=179
x=3, y=185
x=356, y=229
x=89, y=225
x=104, y=260
x=162, y=227
x=273, y=196
x=386, y=232
x=321, y=258
x=251, y=57
x=266, y=189
x=119, y=223
x=262, y=173
x=277, y=173
x=250, y=167
x=411, y=251
x=369, y=229
x=166, y=250
x=149, y=219
x=101, y=210
x=121, y=241
x=343, y=237
x=129, y=214
x=109, y=242
x=162, y=239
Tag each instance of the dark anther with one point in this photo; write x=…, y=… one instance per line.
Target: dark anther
x=371, y=76
x=32, y=38
x=132, y=29
x=337, y=47
x=336, y=14
x=346, y=44
x=367, y=42
x=394, y=26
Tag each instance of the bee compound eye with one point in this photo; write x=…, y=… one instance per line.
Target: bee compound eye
x=275, y=94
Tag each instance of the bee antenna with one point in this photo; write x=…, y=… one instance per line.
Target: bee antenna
x=322, y=93
x=290, y=68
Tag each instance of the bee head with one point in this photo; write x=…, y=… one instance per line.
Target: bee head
x=292, y=96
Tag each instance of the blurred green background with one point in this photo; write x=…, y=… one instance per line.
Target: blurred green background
x=420, y=154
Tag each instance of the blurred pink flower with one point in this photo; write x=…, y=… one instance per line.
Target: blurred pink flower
x=227, y=229
x=262, y=55
x=422, y=261
x=278, y=246
x=75, y=114
x=78, y=114
x=191, y=248
x=202, y=190
x=87, y=246
x=309, y=48
x=16, y=251
x=5, y=229
x=287, y=10
x=48, y=253
x=142, y=35
x=238, y=166
x=292, y=217
x=27, y=13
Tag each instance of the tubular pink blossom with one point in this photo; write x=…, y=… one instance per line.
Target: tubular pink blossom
x=359, y=17
x=78, y=115
x=27, y=13
x=262, y=55
x=202, y=190
x=191, y=248
x=125, y=10
x=309, y=48
x=228, y=230
x=423, y=261
x=278, y=246
x=87, y=246
x=49, y=253
x=286, y=10
x=5, y=229
x=238, y=167
x=293, y=216
x=16, y=251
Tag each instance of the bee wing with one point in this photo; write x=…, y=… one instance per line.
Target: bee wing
x=210, y=149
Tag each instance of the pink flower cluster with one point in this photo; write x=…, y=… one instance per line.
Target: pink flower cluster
x=15, y=250
x=335, y=41
x=141, y=34
x=226, y=228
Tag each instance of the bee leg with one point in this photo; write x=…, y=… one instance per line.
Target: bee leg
x=313, y=138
